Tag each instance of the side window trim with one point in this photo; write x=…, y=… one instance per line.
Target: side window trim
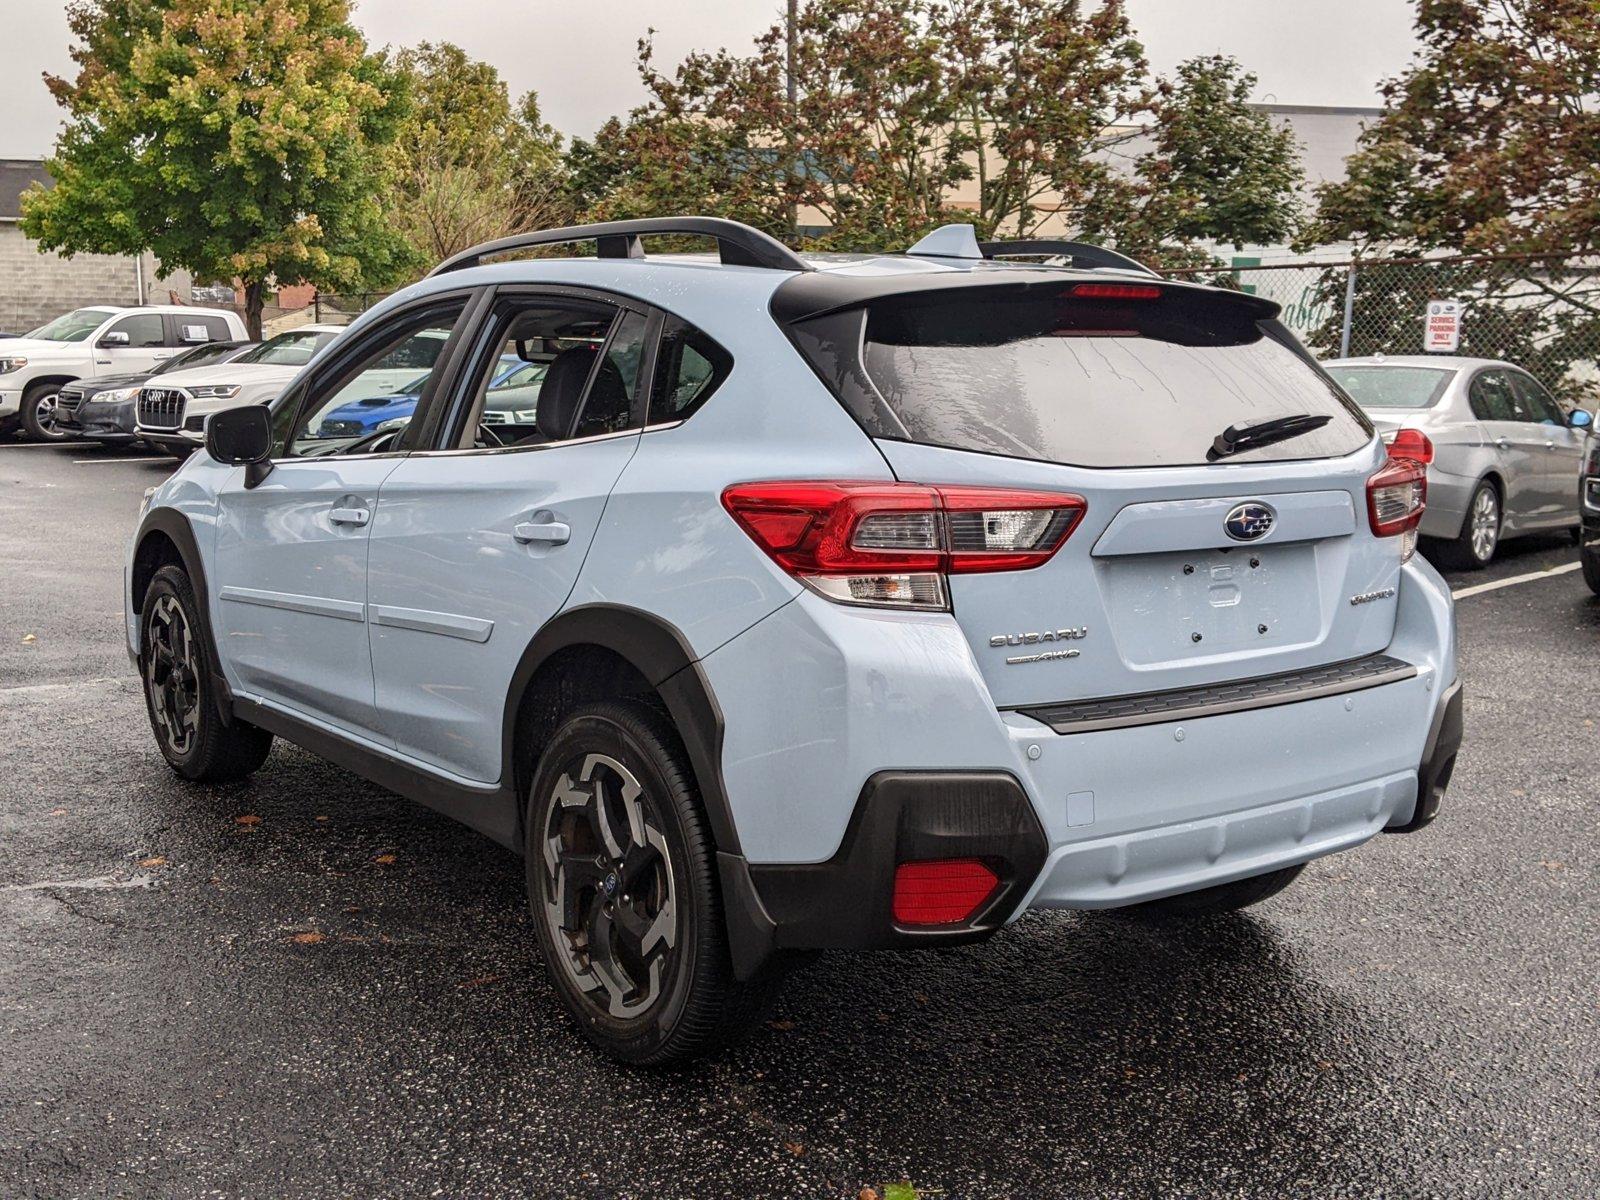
x=129, y=318
x=299, y=395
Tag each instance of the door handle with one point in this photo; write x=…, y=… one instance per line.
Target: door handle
x=1503, y=443
x=349, y=516
x=556, y=533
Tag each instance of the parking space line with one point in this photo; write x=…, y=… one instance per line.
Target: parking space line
x=1478, y=588
x=89, y=462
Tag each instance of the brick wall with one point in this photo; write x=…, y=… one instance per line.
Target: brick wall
x=36, y=287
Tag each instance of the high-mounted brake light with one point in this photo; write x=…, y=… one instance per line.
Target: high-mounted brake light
x=1116, y=291
x=1412, y=444
x=894, y=544
x=941, y=891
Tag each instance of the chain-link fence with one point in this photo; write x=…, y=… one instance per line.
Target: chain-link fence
x=340, y=308
x=1542, y=313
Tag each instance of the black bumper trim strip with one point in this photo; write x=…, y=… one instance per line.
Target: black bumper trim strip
x=1210, y=700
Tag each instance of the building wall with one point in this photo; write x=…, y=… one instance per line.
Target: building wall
x=35, y=287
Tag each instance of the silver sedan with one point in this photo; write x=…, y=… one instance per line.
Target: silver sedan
x=1507, y=455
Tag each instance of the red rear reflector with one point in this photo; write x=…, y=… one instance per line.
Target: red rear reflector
x=1116, y=291
x=1412, y=444
x=941, y=891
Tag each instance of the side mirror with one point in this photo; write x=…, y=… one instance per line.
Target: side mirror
x=242, y=437
x=1580, y=418
x=115, y=338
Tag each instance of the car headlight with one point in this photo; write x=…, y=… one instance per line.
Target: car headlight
x=392, y=423
x=215, y=391
x=114, y=395
x=8, y=365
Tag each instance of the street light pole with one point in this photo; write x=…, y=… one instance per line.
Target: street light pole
x=791, y=31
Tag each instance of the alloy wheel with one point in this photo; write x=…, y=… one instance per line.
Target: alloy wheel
x=1485, y=524
x=46, y=415
x=172, y=676
x=610, y=904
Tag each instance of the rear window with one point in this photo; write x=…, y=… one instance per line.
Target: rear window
x=1393, y=387
x=1038, y=373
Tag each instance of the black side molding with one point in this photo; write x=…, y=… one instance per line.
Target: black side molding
x=846, y=903
x=175, y=526
x=1438, y=760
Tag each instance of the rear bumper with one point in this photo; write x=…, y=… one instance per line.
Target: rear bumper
x=821, y=701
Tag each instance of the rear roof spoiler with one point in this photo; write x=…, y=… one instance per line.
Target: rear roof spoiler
x=737, y=244
x=961, y=241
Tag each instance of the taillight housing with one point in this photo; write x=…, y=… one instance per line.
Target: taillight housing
x=893, y=545
x=1412, y=444
x=1398, y=494
x=942, y=891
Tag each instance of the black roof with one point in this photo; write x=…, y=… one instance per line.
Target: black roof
x=17, y=175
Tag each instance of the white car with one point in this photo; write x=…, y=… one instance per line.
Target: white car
x=172, y=410
x=94, y=343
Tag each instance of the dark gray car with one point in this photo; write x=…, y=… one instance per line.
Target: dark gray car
x=102, y=410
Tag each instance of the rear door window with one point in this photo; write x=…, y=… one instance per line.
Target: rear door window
x=1491, y=397
x=1146, y=378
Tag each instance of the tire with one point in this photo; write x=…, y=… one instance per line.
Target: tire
x=178, y=697
x=613, y=812
x=38, y=413
x=1474, y=547
x=1591, y=568
x=1225, y=897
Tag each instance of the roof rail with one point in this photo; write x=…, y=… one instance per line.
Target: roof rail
x=1082, y=254
x=738, y=244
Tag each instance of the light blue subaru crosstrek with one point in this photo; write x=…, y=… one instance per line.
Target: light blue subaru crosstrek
x=817, y=602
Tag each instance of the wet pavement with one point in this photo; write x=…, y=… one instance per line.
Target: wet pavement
x=303, y=986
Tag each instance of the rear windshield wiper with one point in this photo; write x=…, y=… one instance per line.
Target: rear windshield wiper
x=1265, y=433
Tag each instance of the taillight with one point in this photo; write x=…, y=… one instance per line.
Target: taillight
x=1396, y=496
x=1412, y=444
x=941, y=891
x=892, y=544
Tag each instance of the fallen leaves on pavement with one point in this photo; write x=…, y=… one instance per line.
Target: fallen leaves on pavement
x=247, y=819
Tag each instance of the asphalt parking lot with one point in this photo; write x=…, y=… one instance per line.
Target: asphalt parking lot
x=304, y=986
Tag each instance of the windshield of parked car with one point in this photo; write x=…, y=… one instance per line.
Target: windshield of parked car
x=1392, y=386
x=73, y=327
x=199, y=356
x=292, y=349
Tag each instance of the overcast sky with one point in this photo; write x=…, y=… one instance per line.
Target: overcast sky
x=579, y=56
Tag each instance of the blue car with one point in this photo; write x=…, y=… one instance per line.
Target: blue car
x=516, y=383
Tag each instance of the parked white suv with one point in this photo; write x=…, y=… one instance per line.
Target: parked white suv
x=172, y=410
x=93, y=343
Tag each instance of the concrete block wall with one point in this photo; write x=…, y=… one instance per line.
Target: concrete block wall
x=35, y=287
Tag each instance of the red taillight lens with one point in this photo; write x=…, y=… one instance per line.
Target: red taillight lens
x=1412, y=444
x=1396, y=497
x=941, y=891
x=1116, y=291
x=894, y=543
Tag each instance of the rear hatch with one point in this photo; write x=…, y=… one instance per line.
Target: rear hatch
x=1196, y=562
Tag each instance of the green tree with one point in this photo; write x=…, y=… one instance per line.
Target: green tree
x=1219, y=170
x=1039, y=102
x=1489, y=142
x=469, y=165
x=233, y=138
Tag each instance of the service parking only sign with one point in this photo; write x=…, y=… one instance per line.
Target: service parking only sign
x=1442, y=333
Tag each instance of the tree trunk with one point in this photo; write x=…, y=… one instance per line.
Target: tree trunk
x=255, y=294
